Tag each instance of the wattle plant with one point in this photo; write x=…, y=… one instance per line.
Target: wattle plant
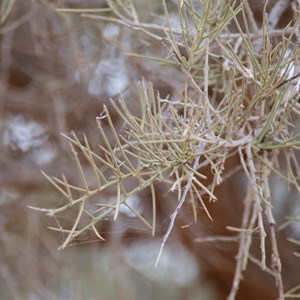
x=241, y=98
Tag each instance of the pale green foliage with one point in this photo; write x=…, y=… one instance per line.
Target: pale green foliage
x=240, y=99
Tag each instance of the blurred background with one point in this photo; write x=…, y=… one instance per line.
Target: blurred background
x=56, y=73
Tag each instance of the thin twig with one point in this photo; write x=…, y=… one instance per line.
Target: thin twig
x=200, y=148
x=242, y=244
x=275, y=259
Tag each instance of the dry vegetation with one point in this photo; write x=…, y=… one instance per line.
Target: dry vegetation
x=207, y=140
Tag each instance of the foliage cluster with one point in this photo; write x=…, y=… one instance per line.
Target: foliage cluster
x=241, y=98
